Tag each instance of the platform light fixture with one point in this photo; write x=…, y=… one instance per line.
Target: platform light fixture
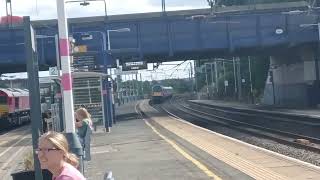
x=87, y=2
x=84, y=3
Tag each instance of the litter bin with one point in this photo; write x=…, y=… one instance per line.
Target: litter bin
x=30, y=175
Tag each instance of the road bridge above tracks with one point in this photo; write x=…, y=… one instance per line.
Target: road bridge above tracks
x=176, y=35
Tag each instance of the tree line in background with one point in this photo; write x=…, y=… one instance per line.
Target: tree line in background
x=231, y=76
x=144, y=88
x=229, y=79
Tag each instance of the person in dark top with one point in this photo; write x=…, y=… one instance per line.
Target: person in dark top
x=44, y=114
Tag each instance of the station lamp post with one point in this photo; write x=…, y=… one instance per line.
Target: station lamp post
x=163, y=4
x=109, y=49
x=191, y=77
x=107, y=116
x=211, y=3
x=108, y=104
x=107, y=84
x=115, y=30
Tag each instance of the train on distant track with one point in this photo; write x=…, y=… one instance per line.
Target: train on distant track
x=161, y=93
x=14, y=107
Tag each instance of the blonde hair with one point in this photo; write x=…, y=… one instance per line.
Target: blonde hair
x=83, y=112
x=59, y=141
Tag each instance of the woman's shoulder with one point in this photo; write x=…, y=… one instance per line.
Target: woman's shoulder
x=85, y=122
x=70, y=173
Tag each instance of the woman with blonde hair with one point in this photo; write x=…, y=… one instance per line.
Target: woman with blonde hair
x=83, y=121
x=53, y=153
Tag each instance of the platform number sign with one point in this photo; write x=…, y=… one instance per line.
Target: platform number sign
x=53, y=71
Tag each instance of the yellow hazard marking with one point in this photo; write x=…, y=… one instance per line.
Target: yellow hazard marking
x=186, y=155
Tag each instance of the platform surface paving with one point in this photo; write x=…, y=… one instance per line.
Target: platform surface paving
x=253, y=161
x=132, y=151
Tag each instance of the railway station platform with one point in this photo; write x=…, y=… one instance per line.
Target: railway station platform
x=163, y=147
x=224, y=155
x=314, y=113
x=134, y=151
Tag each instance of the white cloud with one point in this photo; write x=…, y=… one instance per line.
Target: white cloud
x=46, y=9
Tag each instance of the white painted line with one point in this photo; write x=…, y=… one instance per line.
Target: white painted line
x=13, y=156
x=8, y=149
x=197, y=163
x=100, y=152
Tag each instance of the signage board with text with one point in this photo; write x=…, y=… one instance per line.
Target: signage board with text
x=133, y=66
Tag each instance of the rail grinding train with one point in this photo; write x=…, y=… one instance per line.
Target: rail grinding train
x=14, y=107
x=161, y=93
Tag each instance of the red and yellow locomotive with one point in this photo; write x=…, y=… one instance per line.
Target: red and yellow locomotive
x=161, y=93
x=14, y=107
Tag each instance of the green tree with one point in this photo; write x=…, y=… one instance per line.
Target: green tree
x=146, y=87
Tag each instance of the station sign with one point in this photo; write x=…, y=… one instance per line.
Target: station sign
x=133, y=66
x=226, y=83
x=120, y=72
x=80, y=49
x=85, y=62
x=53, y=71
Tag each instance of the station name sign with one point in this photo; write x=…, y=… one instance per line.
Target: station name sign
x=129, y=66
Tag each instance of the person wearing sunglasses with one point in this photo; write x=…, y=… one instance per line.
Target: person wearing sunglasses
x=53, y=153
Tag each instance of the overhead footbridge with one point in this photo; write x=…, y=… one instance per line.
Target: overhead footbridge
x=166, y=36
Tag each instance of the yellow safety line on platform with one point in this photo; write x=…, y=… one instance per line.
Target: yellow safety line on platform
x=185, y=154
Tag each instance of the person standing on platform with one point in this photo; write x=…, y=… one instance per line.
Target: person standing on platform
x=83, y=121
x=44, y=114
x=84, y=129
x=54, y=155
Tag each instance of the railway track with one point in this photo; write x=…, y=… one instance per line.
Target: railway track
x=209, y=115
x=13, y=145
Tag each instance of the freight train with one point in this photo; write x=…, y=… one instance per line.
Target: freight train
x=14, y=107
x=161, y=93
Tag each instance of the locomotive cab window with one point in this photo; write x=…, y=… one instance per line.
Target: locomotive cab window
x=16, y=102
x=3, y=100
x=157, y=89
